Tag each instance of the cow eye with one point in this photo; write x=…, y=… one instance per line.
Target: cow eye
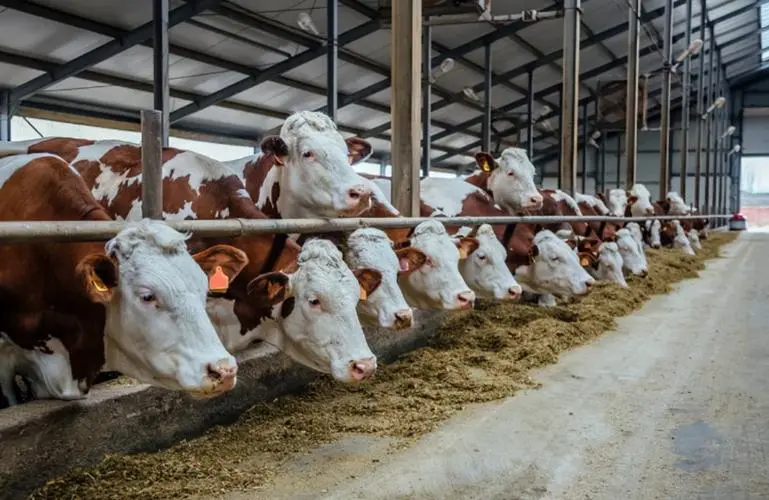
x=308, y=154
x=315, y=302
x=481, y=256
x=147, y=297
x=510, y=174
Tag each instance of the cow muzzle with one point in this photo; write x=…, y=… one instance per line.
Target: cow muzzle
x=362, y=369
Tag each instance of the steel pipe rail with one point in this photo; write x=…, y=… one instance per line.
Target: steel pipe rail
x=72, y=231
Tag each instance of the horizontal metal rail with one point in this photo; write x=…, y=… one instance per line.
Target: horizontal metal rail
x=70, y=231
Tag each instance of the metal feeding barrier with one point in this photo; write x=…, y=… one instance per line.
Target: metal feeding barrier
x=72, y=231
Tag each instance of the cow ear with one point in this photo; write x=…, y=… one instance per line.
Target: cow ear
x=410, y=259
x=533, y=253
x=99, y=277
x=270, y=288
x=368, y=280
x=466, y=246
x=221, y=263
x=589, y=244
x=631, y=199
x=601, y=197
x=585, y=259
x=404, y=243
x=276, y=146
x=485, y=162
x=571, y=243
x=359, y=149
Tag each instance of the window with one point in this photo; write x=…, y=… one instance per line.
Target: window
x=764, y=15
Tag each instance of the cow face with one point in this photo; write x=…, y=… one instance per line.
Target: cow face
x=554, y=268
x=315, y=322
x=694, y=239
x=157, y=329
x=632, y=253
x=617, y=202
x=315, y=176
x=680, y=240
x=635, y=231
x=677, y=205
x=511, y=180
x=653, y=230
x=609, y=264
x=385, y=306
x=639, y=201
x=437, y=284
x=485, y=270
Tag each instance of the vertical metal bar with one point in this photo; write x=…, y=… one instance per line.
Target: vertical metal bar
x=332, y=57
x=160, y=65
x=585, y=138
x=570, y=95
x=530, y=113
x=405, y=110
x=686, y=83
x=5, y=115
x=486, y=126
x=709, y=125
x=717, y=131
x=619, y=161
x=152, y=164
x=631, y=104
x=700, y=110
x=604, y=145
x=427, y=35
x=665, y=119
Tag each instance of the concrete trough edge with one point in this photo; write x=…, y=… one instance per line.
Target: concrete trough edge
x=41, y=440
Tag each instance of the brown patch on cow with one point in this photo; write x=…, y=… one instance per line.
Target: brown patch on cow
x=254, y=174
x=89, y=170
x=66, y=148
x=126, y=159
x=480, y=180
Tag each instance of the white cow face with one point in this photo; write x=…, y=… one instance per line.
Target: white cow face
x=617, y=202
x=511, y=180
x=639, y=199
x=680, y=240
x=385, y=306
x=157, y=330
x=610, y=264
x=635, y=231
x=485, y=270
x=316, y=179
x=554, y=268
x=315, y=311
x=694, y=239
x=632, y=253
x=677, y=204
x=654, y=228
x=438, y=283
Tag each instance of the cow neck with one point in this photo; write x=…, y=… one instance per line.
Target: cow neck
x=481, y=181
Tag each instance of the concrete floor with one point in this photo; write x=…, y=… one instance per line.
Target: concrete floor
x=674, y=405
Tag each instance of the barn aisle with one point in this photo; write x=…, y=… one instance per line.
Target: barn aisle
x=672, y=405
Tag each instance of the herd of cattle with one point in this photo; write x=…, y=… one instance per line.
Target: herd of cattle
x=178, y=311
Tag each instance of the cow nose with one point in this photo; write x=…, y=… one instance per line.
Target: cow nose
x=222, y=375
x=358, y=194
x=589, y=284
x=465, y=299
x=649, y=211
x=403, y=318
x=514, y=292
x=362, y=368
x=644, y=273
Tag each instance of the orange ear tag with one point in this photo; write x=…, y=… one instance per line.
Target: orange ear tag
x=584, y=261
x=485, y=167
x=363, y=293
x=98, y=284
x=218, y=281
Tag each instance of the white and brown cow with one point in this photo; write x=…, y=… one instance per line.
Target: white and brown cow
x=509, y=179
x=197, y=187
x=136, y=305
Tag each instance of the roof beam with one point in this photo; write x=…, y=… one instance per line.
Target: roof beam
x=101, y=53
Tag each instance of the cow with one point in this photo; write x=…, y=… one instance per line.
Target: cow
x=639, y=204
x=616, y=201
x=509, y=180
x=198, y=187
x=485, y=270
x=631, y=250
x=136, y=304
x=305, y=171
x=674, y=204
x=591, y=205
x=608, y=266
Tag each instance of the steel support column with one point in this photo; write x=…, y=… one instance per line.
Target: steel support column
x=619, y=160
x=332, y=57
x=570, y=95
x=685, y=106
x=5, y=115
x=427, y=35
x=709, y=126
x=585, y=139
x=631, y=103
x=486, y=125
x=161, y=89
x=700, y=109
x=665, y=118
x=530, y=114
x=406, y=77
x=604, y=145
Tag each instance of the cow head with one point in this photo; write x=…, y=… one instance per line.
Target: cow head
x=617, y=202
x=554, y=268
x=316, y=179
x=437, y=284
x=653, y=232
x=485, y=270
x=608, y=266
x=315, y=312
x=511, y=180
x=385, y=306
x=639, y=201
x=157, y=330
x=632, y=253
x=676, y=204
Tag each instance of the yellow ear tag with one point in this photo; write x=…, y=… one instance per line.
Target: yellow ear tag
x=584, y=261
x=363, y=293
x=485, y=167
x=218, y=281
x=98, y=284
